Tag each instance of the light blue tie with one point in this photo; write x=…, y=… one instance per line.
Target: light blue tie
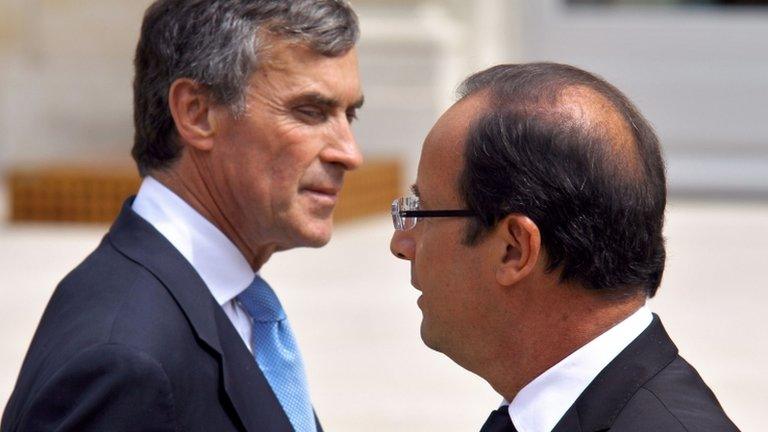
x=277, y=353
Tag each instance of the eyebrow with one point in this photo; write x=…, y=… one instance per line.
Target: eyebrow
x=358, y=103
x=415, y=190
x=417, y=193
x=330, y=103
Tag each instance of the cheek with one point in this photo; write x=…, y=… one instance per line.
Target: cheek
x=449, y=271
x=435, y=264
x=299, y=150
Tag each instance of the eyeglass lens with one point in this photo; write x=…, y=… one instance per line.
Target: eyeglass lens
x=404, y=204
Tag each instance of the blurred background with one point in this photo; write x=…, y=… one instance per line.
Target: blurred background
x=697, y=69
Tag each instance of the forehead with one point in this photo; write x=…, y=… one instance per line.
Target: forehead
x=442, y=156
x=290, y=67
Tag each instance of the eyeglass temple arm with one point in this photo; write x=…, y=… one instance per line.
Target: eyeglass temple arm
x=436, y=213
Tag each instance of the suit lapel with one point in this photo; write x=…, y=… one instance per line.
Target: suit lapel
x=245, y=383
x=251, y=395
x=570, y=422
x=602, y=401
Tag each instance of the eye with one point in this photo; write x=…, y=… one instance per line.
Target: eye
x=310, y=114
x=351, y=115
x=412, y=203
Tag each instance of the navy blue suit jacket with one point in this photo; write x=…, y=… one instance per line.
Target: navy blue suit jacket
x=648, y=387
x=132, y=340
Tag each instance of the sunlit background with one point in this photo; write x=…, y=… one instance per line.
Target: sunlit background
x=697, y=69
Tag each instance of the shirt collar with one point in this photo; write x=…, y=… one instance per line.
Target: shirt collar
x=214, y=257
x=540, y=405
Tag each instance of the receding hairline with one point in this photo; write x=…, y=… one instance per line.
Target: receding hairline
x=598, y=114
x=579, y=105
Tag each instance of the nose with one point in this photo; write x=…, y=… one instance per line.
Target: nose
x=343, y=149
x=402, y=245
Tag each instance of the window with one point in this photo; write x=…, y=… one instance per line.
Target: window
x=670, y=2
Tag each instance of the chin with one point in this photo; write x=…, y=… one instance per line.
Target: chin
x=428, y=340
x=315, y=234
x=317, y=242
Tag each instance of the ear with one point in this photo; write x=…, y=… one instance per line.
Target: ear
x=521, y=239
x=193, y=113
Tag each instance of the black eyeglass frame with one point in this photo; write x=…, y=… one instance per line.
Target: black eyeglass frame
x=399, y=216
x=436, y=213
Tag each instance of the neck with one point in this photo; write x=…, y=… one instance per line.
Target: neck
x=196, y=192
x=547, y=331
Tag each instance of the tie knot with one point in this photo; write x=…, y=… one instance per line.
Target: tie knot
x=260, y=301
x=499, y=421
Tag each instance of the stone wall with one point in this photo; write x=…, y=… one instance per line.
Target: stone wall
x=65, y=74
x=66, y=69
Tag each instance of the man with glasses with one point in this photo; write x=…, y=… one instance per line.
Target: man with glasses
x=534, y=235
x=243, y=112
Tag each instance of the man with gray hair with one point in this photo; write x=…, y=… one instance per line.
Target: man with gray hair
x=242, y=113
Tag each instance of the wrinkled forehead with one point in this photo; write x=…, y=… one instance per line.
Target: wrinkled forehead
x=442, y=157
x=295, y=68
x=279, y=52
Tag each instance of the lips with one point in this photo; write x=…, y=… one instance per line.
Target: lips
x=413, y=278
x=324, y=190
x=324, y=196
x=413, y=284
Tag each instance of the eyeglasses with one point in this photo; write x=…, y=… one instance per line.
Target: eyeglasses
x=406, y=213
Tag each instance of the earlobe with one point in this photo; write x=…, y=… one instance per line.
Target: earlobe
x=521, y=240
x=193, y=113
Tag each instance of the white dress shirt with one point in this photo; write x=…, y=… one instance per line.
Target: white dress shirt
x=214, y=257
x=540, y=405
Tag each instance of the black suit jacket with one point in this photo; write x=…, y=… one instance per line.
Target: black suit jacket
x=648, y=387
x=132, y=340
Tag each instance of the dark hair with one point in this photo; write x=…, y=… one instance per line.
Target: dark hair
x=219, y=44
x=597, y=197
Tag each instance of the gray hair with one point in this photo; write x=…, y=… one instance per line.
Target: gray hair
x=219, y=44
